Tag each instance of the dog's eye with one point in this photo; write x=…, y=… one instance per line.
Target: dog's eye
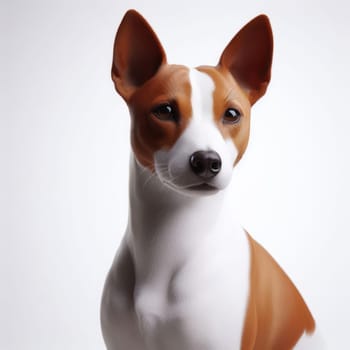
x=165, y=111
x=231, y=116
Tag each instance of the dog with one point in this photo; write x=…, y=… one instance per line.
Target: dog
x=186, y=275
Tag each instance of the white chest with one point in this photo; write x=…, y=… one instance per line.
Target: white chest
x=200, y=302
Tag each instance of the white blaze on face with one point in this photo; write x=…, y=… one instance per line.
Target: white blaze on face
x=202, y=96
x=201, y=134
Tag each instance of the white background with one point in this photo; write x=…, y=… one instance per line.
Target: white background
x=64, y=149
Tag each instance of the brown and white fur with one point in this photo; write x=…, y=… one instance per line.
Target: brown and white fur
x=186, y=275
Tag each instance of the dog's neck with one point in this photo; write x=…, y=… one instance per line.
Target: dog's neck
x=165, y=226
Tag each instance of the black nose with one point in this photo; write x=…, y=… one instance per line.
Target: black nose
x=205, y=164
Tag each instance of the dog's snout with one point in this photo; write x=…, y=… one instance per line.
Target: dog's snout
x=205, y=164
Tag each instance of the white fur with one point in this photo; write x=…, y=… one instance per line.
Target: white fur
x=202, y=96
x=181, y=277
x=191, y=269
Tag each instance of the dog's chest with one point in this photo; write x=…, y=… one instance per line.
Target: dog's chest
x=200, y=303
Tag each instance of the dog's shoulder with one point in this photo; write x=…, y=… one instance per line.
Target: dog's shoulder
x=277, y=315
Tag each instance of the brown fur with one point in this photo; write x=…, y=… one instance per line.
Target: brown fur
x=277, y=315
x=149, y=134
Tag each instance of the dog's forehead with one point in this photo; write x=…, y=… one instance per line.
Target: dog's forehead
x=201, y=89
x=202, y=94
x=170, y=83
x=227, y=91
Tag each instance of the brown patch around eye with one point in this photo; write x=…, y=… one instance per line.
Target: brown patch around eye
x=160, y=111
x=229, y=97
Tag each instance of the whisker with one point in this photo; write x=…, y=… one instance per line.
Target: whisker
x=148, y=180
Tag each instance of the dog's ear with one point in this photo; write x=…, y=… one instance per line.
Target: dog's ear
x=248, y=57
x=137, y=54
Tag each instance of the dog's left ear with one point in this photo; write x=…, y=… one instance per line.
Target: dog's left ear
x=248, y=57
x=137, y=56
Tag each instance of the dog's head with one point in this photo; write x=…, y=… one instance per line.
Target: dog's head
x=190, y=126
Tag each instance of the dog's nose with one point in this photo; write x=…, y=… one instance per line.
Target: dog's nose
x=205, y=164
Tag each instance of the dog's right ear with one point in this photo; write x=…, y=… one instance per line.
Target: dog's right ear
x=137, y=56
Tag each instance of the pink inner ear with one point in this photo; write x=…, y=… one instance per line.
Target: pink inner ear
x=138, y=53
x=249, y=57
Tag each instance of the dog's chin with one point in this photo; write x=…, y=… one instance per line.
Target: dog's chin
x=195, y=190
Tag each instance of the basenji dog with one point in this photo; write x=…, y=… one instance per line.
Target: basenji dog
x=186, y=275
